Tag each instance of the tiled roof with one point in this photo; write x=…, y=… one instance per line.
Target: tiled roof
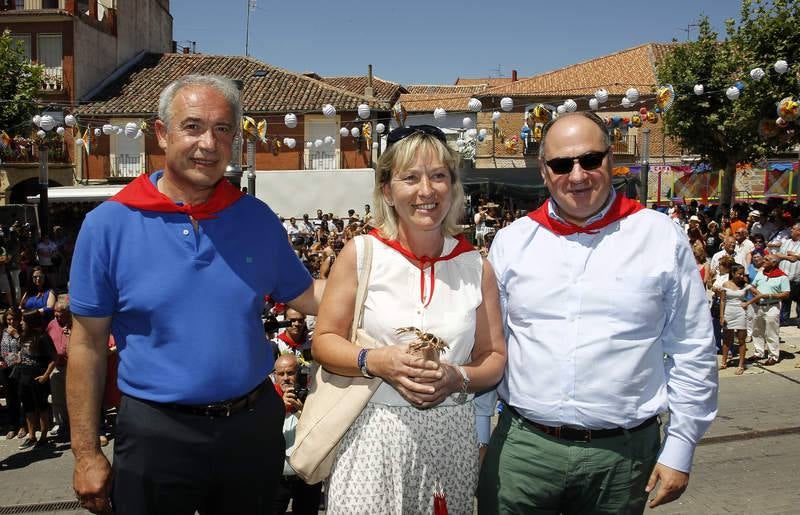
x=634, y=67
x=488, y=81
x=271, y=90
x=427, y=97
x=385, y=91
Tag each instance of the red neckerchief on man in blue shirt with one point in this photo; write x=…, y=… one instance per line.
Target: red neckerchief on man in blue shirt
x=461, y=247
x=619, y=209
x=143, y=194
x=775, y=272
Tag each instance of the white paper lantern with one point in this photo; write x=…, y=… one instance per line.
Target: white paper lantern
x=472, y=133
x=506, y=104
x=363, y=111
x=561, y=109
x=139, y=134
x=343, y=132
x=98, y=132
x=78, y=142
x=290, y=120
x=699, y=89
x=626, y=102
x=309, y=144
x=570, y=105
x=466, y=122
x=474, y=105
x=632, y=94
x=120, y=130
x=69, y=120
x=380, y=128
x=47, y=122
x=440, y=114
x=732, y=93
x=108, y=129
x=291, y=143
x=355, y=132
x=60, y=131
x=601, y=95
x=41, y=134
x=317, y=143
x=495, y=116
x=482, y=132
x=460, y=143
x=593, y=104
x=130, y=129
x=781, y=66
x=757, y=73
x=330, y=140
x=328, y=110
x=36, y=119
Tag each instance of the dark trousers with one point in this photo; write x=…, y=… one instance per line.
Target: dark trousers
x=305, y=498
x=172, y=463
x=13, y=412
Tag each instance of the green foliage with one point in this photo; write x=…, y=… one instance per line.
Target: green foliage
x=723, y=131
x=20, y=82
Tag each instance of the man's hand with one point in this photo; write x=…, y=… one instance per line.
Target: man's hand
x=291, y=401
x=92, y=483
x=671, y=484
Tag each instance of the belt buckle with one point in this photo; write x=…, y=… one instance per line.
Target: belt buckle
x=219, y=410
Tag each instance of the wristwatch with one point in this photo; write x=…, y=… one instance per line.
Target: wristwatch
x=461, y=397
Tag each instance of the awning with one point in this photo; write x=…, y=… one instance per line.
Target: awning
x=79, y=193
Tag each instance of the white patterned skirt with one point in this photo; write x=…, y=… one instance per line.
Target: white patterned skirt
x=393, y=459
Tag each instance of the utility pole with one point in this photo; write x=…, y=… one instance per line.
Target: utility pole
x=645, y=164
x=44, y=218
x=251, y=5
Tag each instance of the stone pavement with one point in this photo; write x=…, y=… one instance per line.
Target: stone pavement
x=747, y=463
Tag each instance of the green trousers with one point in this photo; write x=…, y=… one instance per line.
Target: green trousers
x=528, y=472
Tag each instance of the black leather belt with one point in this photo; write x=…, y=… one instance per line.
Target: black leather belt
x=574, y=434
x=218, y=409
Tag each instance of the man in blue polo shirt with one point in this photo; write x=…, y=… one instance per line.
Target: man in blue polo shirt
x=176, y=267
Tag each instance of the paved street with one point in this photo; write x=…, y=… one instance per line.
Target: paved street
x=747, y=463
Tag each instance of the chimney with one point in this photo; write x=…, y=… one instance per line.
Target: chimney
x=174, y=46
x=513, y=75
x=186, y=50
x=369, y=92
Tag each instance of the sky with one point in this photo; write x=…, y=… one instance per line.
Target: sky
x=436, y=41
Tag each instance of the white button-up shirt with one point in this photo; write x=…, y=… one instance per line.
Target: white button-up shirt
x=608, y=329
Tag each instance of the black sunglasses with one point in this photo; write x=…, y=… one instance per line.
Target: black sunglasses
x=402, y=133
x=588, y=161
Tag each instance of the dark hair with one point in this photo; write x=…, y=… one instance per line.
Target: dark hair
x=31, y=288
x=735, y=268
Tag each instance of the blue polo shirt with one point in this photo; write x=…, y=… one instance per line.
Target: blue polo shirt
x=185, y=305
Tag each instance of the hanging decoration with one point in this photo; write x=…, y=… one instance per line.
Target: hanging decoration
x=496, y=116
x=98, y=131
x=41, y=134
x=466, y=122
x=317, y=143
x=617, y=135
x=439, y=114
x=541, y=114
x=290, y=120
x=474, y=105
x=36, y=119
x=757, y=73
x=355, y=132
x=69, y=120
x=665, y=96
x=309, y=144
x=788, y=109
x=626, y=102
x=767, y=128
x=130, y=129
x=47, y=122
x=261, y=131
x=380, y=128
x=60, y=131
x=366, y=131
x=781, y=66
x=249, y=127
x=632, y=94
x=329, y=111
x=343, y=132
x=594, y=105
x=636, y=120
x=330, y=140
x=537, y=133
x=699, y=89
x=108, y=129
x=732, y=93
x=482, y=132
x=652, y=117
x=363, y=111
x=561, y=109
x=506, y=104
x=781, y=122
x=570, y=105
x=601, y=95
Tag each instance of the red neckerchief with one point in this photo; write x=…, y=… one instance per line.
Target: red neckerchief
x=143, y=194
x=461, y=247
x=284, y=336
x=619, y=209
x=775, y=272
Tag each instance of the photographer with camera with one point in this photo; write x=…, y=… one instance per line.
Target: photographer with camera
x=293, y=389
x=295, y=339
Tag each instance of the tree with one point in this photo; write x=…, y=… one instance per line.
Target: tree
x=722, y=131
x=20, y=81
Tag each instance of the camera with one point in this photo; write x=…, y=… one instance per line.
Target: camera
x=272, y=324
x=301, y=390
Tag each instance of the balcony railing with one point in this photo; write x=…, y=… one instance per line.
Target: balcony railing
x=32, y=5
x=53, y=79
x=29, y=153
x=127, y=165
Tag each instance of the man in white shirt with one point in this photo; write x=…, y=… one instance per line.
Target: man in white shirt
x=728, y=249
x=610, y=329
x=789, y=254
x=743, y=247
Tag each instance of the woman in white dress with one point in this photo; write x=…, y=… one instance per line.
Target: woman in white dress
x=733, y=315
x=417, y=435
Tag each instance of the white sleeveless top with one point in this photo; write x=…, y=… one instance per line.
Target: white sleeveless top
x=393, y=301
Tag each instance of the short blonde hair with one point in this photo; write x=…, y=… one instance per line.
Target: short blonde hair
x=400, y=157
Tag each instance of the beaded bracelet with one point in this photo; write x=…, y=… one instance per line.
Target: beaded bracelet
x=362, y=363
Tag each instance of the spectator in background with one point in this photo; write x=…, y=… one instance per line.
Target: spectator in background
x=733, y=313
x=713, y=238
x=39, y=296
x=693, y=230
x=738, y=220
x=789, y=254
x=37, y=361
x=59, y=330
x=9, y=359
x=5, y=285
x=771, y=286
x=743, y=247
x=728, y=249
x=46, y=250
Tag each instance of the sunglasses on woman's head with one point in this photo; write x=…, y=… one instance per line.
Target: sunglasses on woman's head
x=402, y=133
x=588, y=161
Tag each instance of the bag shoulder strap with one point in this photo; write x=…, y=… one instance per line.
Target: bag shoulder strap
x=363, y=283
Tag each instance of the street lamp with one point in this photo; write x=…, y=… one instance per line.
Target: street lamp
x=233, y=172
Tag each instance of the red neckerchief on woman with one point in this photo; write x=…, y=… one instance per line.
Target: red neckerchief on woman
x=775, y=272
x=619, y=209
x=284, y=337
x=461, y=247
x=143, y=194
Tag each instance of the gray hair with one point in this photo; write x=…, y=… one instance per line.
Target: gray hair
x=62, y=304
x=586, y=114
x=225, y=86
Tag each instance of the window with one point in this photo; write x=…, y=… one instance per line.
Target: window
x=49, y=4
x=49, y=55
x=19, y=5
x=25, y=40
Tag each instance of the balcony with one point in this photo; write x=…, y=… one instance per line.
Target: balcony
x=126, y=165
x=22, y=153
x=37, y=5
x=53, y=79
